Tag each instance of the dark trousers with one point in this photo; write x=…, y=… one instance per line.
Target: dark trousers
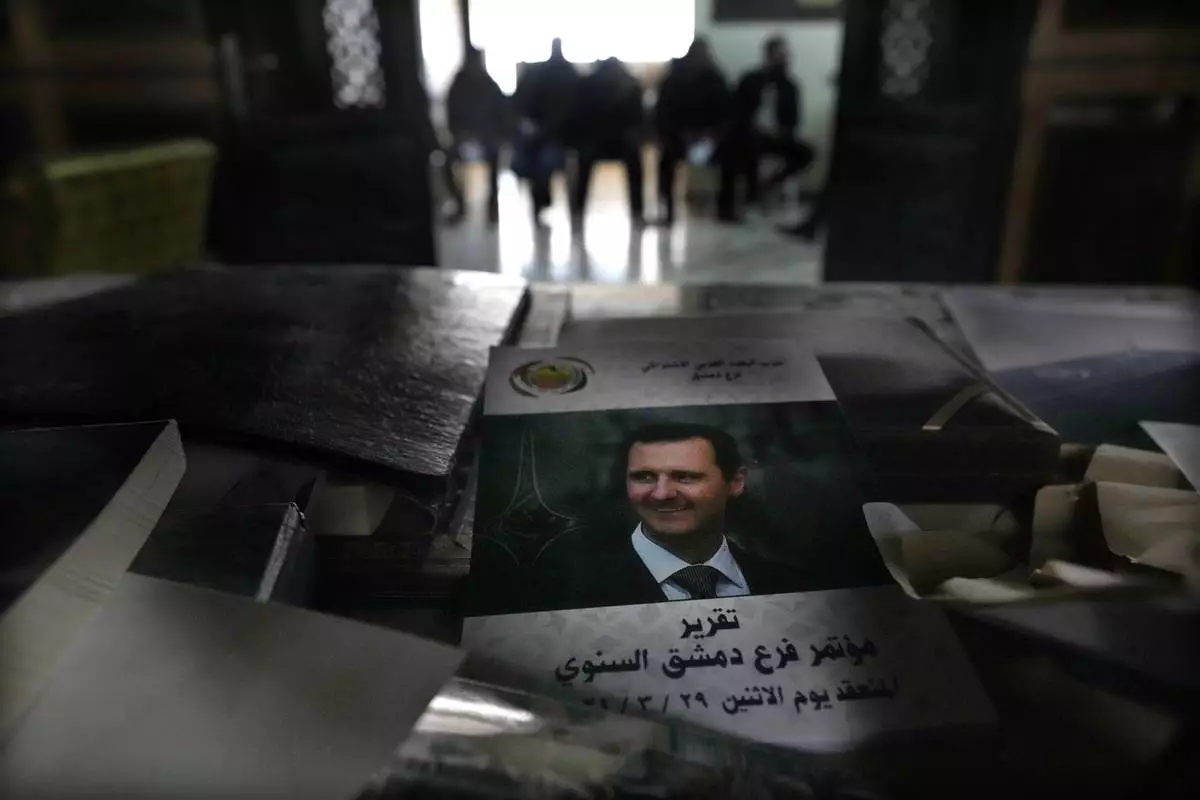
x=628, y=152
x=672, y=148
x=539, y=187
x=453, y=157
x=536, y=160
x=741, y=157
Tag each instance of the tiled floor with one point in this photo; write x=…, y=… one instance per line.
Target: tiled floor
x=610, y=250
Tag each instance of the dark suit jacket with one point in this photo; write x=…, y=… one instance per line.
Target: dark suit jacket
x=476, y=107
x=749, y=95
x=692, y=98
x=545, y=94
x=607, y=109
x=576, y=573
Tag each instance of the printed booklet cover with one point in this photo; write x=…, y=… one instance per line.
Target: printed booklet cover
x=675, y=528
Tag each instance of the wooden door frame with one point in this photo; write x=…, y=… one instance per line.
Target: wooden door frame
x=1058, y=69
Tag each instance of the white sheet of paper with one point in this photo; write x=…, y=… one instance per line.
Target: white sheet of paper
x=1181, y=443
x=916, y=675
x=172, y=690
x=1008, y=332
x=886, y=519
x=658, y=375
x=42, y=624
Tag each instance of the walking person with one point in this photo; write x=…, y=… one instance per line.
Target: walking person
x=477, y=112
x=544, y=102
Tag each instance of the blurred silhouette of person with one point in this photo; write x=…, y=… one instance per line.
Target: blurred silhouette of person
x=543, y=101
x=608, y=123
x=693, y=108
x=765, y=119
x=477, y=111
x=818, y=212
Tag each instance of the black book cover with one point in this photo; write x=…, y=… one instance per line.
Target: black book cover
x=376, y=364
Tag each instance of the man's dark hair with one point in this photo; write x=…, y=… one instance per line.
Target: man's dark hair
x=772, y=45
x=724, y=446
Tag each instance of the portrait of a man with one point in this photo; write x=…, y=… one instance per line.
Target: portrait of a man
x=680, y=479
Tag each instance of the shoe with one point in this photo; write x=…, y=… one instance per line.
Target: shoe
x=805, y=230
x=665, y=221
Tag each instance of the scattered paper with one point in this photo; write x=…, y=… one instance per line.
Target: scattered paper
x=39, y=628
x=888, y=526
x=175, y=690
x=1053, y=528
x=887, y=519
x=921, y=560
x=1153, y=526
x=1117, y=464
x=353, y=508
x=1008, y=332
x=1181, y=443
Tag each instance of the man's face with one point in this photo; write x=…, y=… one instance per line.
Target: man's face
x=779, y=57
x=676, y=488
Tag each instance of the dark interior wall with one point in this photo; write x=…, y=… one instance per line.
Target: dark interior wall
x=1105, y=183
x=298, y=178
x=302, y=180
x=1124, y=14
x=79, y=74
x=400, y=36
x=280, y=53
x=80, y=18
x=1107, y=208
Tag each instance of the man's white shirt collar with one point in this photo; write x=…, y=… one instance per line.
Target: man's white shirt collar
x=662, y=563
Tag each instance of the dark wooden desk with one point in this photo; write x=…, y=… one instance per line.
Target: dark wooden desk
x=1061, y=733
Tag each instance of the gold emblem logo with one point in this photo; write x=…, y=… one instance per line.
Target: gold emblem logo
x=555, y=376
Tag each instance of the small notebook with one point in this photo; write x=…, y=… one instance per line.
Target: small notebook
x=76, y=505
x=674, y=528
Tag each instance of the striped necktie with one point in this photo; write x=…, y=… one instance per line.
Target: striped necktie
x=699, y=580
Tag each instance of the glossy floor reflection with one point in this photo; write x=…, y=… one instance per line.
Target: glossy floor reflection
x=610, y=250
